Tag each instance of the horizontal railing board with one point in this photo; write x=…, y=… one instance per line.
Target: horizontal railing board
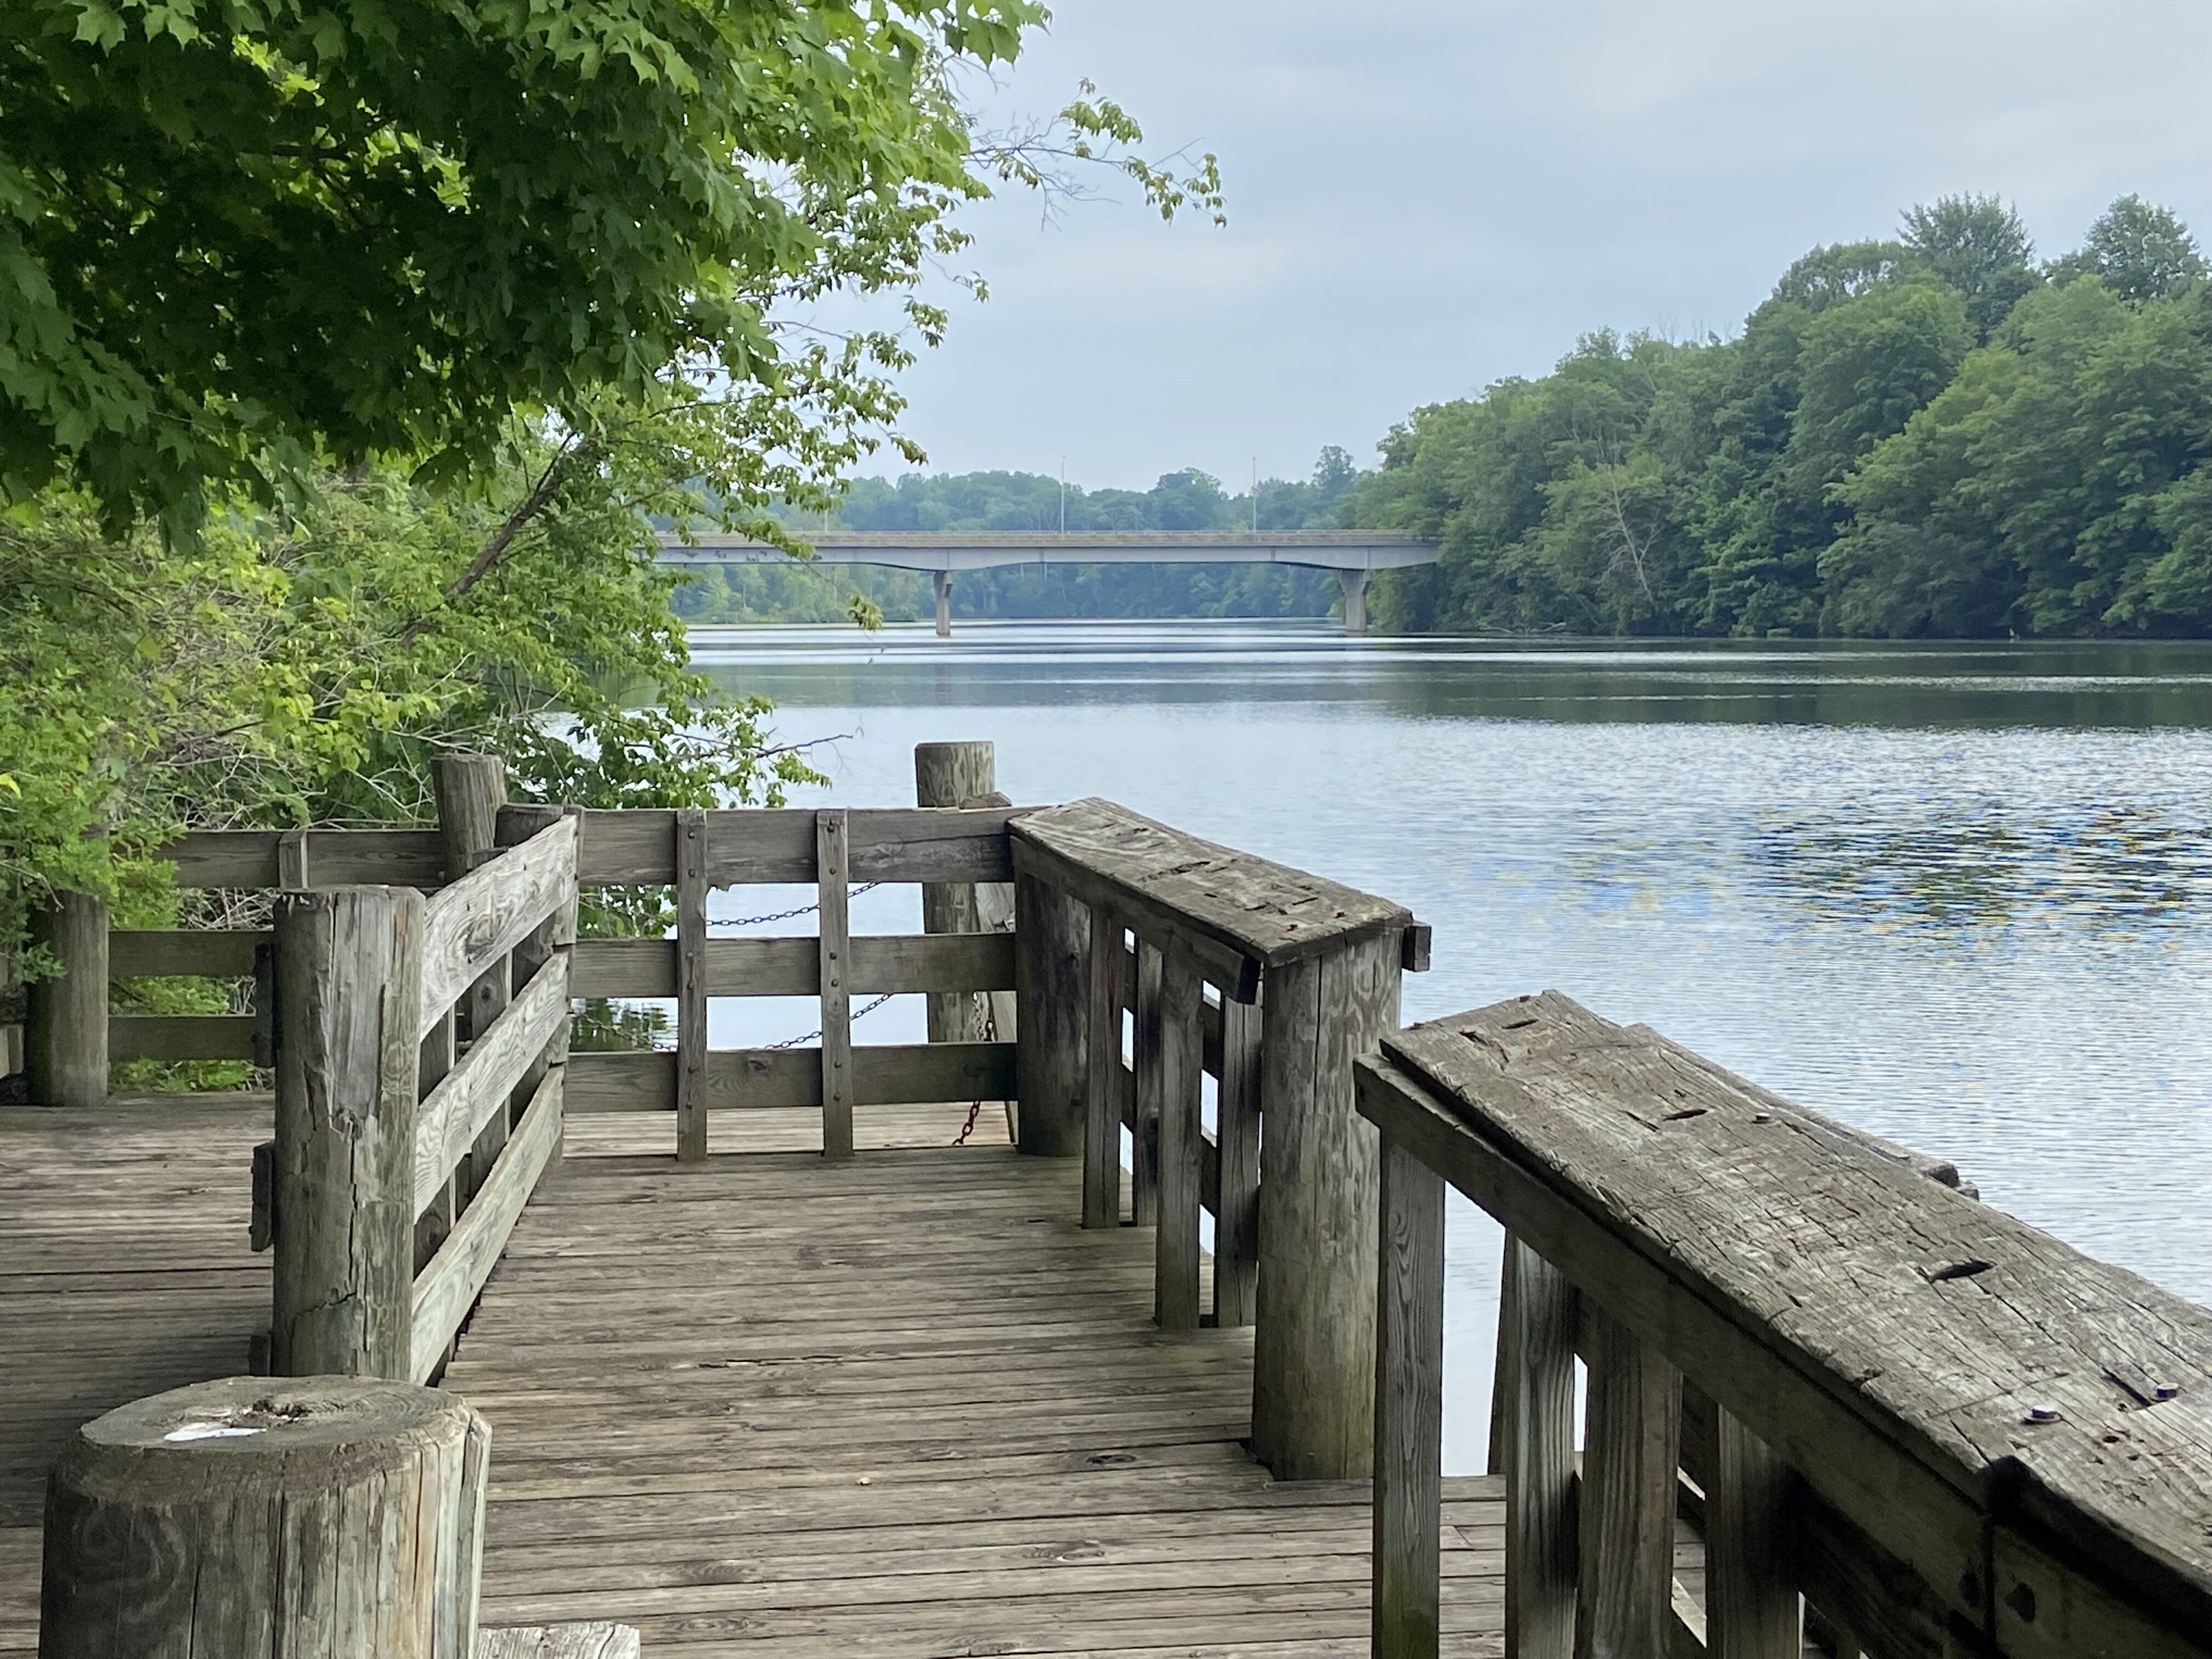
x=485, y=914
x=1939, y=1373
x=892, y=1074
x=335, y=857
x=900, y=964
x=205, y=952
x=467, y=1097
x=180, y=1037
x=1235, y=912
x=775, y=846
x=444, y=1290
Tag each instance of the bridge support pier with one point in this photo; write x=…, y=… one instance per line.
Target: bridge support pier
x=1355, y=600
x=942, y=580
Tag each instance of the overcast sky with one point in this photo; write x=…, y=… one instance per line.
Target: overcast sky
x=1428, y=195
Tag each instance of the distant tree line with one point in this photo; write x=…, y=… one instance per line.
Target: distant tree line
x=1188, y=500
x=1936, y=436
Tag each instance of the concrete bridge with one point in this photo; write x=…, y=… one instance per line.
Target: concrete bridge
x=1354, y=554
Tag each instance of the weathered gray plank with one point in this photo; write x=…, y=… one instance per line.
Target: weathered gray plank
x=180, y=1036
x=1625, y=1606
x=689, y=830
x=476, y=1090
x=1102, y=1086
x=343, y=858
x=883, y=1074
x=832, y=910
x=485, y=914
x=1147, y=967
x=65, y=1032
x=206, y=952
x=900, y=964
x=748, y=845
x=1409, y=1384
x=1751, y=1579
x=580, y=1641
x=444, y=1290
x=1235, y=1177
x=1052, y=952
x=1232, y=907
x=1536, y=1339
x=1175, y=1067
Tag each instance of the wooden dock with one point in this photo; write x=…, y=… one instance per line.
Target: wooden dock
x=903, y=1405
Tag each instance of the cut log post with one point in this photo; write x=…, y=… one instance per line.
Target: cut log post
x=949, y=775
x=1535, y=1453
x=65, y=1036
x=690, y=986
x=1313, y=1372
x=1178, y=1082
x=470, y=790
x=1409, y=1393
x=1236, y=1138
x=349, y=971
x=1625, y=1606
x=1052, y=949
x=257, y=1517
x=1753, y=1610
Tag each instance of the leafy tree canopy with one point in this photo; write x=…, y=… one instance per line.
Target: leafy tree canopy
x=2138, y=251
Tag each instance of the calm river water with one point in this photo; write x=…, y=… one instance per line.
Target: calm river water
x=1960, y=896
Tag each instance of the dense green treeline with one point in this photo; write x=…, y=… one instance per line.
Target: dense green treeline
x=1929, y=436
x=1189, y=500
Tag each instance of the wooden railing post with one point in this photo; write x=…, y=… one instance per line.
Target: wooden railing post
x=65, y=1033
x=952, y=775
x=1536, y=1453
x=691, y=987
x=1237, y=1138
x=1176, y=1081
x=349, y=972
x=1631, y=1452
x=1052, y=950
x=1409, y=1385
x=1101, y=1095
x=1313, y=1396
x=832, y=846
x=1753, y=1610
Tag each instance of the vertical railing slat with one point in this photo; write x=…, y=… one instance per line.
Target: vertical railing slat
x=691, y=986
x=1409, y=1345
x=1144, y=1133
x=1102, y=1095
x=1631, y=1452
x=1177, y=1070
x=1236, y=1139
x=1753, y=1610
x=830, y=844
x=1537, y=1333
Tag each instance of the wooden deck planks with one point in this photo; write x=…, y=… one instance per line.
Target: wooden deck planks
x=124, y=1271
x=902, y=1406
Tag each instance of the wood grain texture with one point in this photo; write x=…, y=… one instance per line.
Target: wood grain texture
x=1541, y=1548
x=1925, y=1363
x=343, y=858
x=474, y=1091
x=1312, y=1400
x=900, y=964
x=883, y=1074
x=1624, y=1609
x=349, y=1059
x=1052, y=949
x=1235, y=1182
x=832, y=914
x=1147, y=972
x=65, y=1029
x=1177, y=1302
x=776, y=845
x=343, y=1514
x=689, y=832
x=946, y=775
x=1409, y=1384
x=203, y=952
x=1101, y=1085
x=443, y=1292
x=1230, y=907
x=1751, y=1606
x=595, y=1640
x=485, y=914
x=180, y=1036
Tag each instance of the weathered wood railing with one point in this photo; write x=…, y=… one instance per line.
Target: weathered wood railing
x=1946, y=1433
x=1306, y=975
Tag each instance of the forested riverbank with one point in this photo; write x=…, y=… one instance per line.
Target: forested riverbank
x=1936, y=436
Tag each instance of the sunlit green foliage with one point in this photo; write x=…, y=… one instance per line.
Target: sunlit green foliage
x=1927, y=437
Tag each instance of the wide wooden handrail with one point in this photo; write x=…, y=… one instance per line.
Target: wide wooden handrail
x=1935, y=1423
